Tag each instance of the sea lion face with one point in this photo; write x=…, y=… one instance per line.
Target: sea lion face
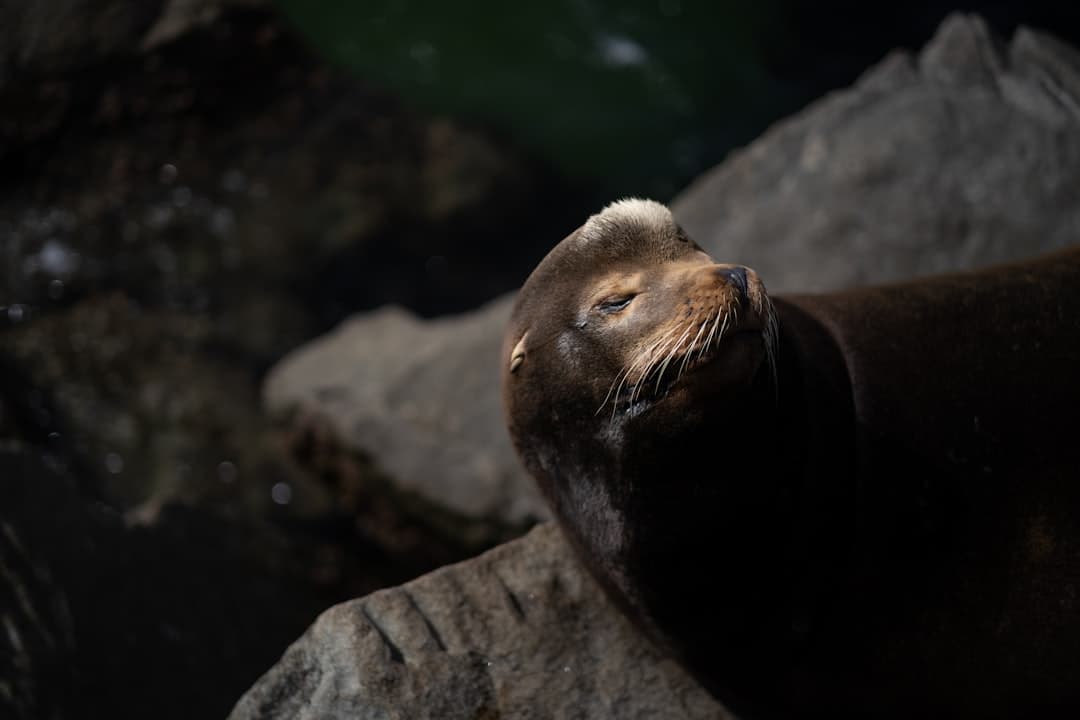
x=627, y=315
x=656, y=330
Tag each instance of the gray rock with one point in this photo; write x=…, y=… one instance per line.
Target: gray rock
x=421, y=396
x=518, y=632
x=964, y=155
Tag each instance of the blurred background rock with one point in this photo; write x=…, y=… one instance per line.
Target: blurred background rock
x=191, y=189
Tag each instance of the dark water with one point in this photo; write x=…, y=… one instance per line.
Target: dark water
x=634, y=97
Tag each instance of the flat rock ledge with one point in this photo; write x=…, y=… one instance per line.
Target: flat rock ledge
x=518, y=632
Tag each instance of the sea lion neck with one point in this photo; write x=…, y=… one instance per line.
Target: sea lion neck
x=816, y=417
x=805, y=398
x=813, y=393
x=791, y=504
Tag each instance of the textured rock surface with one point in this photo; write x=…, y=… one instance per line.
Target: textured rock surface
x=518, y=632
x=964, y=155
x=421, y=397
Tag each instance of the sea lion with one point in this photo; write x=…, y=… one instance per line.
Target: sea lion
x=856, y=504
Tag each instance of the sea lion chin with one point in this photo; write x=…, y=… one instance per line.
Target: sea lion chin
x=852, y=504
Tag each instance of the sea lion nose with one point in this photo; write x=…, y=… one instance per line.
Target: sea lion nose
x=733, y=275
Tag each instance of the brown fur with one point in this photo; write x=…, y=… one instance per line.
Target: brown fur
x=885, y=523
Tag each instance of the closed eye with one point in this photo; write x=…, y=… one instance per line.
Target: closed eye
x=615, y=304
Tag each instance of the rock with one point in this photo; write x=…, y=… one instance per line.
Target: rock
x=421, y=397
x=521, y=631
x=965, y=155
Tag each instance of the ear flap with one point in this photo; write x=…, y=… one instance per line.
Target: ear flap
x=517, y=355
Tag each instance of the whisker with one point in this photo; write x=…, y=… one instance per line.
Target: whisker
x=690, y=350
x=611, y=387
x=614, y=382
x=618, y=391
x=659, y=348
x=723, y=328
x=675, y=349
x=709, y=338
x=716, y=325
x=623, y=376
x=772, y=340
x=662, y=362
x=659, y=354
x=642, y=375
x=654, y=359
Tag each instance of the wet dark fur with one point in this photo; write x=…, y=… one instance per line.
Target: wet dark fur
x=891, y=529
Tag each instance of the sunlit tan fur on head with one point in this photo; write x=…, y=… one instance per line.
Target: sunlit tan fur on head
x=646, y=215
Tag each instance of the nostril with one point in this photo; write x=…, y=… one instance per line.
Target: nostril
x=735, y=276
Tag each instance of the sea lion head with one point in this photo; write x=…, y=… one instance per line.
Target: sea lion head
x=626, y=317
x=623, y=311
x=625, y=343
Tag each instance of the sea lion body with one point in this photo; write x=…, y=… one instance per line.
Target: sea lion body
x=864, y=503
